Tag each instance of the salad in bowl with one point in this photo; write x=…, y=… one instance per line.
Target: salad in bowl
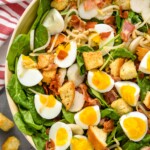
x=78, y=74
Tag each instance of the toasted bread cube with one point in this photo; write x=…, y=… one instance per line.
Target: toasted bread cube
x=92, y=60
x=115, y=67
x=128, y=70
x=48, y=76
x=147, y=100
x=124, y=4
x=5, y=123
x=121, y=106
x=59, y=5
x=97, y=137
x=67, y=94
x=12, y=143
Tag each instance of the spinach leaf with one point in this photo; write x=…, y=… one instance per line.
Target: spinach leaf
x=27, y=117
x=69, y=116
x=110, y=113
x=16, y=92
x=144, y=85
x=22, y=125
x=19, y=46
x=80, y=60
x=41, y=36
x=39, y=142
x=36, y=88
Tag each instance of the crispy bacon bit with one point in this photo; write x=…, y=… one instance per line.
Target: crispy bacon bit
x=90, y=24
x=73, y=5
x=103, y=3
x=123, y=14
x=89, y=4
x=110, y=96
x=108, y=126
x=88, y=100
x=77, y=23
x=45, y=89
x=62, y=55
x=110, y=21
x=50, y=145
x=127, y=30
x=104, y=35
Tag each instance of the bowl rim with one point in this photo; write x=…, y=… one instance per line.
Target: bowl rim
x=11, y=103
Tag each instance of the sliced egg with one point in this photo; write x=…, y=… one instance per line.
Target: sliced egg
x=66, y=56
x=77, y=103
x=88, y=116
x=134, y=125
x=145, y=64
x=129, y=91
x=54, y=22
x=47, y=106
x=100, y=81
x=108, y=41
x=61, y=135
x=80, y=142
x=102, y=15
x=27, y=75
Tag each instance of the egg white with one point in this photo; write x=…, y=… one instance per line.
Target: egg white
x=134, y=114
x=70, y=59
x=119, y=84
x=53, y=132
x=28, y=77
x=83, y=125
x=89, y=78
x=143, y=64
x=47, y=112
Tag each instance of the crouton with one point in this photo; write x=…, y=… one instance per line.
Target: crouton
x=59, y=4
x=128, y=70
x=67, y=94
x=97, y=137
x=115, y=67
x=5, y=123
x=48, y=76
x=125, y=4
x=92, y=60
x=121, y=106
x=12, y=143
x=147, y=100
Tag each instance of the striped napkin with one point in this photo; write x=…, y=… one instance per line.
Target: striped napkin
x=10, y=12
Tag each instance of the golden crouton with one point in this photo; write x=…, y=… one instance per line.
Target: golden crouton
x=59, y=4
x=124, y=4
x=128, y=70
x=48, y=76
x=97, y=137
x=5, y=123
x=147, y=100
x=92, y=60
x=115, y=67
x=121, y=106
x=67, y=94
x=12, y=143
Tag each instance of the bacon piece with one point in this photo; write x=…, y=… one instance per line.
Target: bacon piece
x=45, y=89
x=90, y=24
x=108, y=126
x=105, y=35
x=89, y=4
x=123, y=14
x=103, y=3
x=50, y=145
x=77, y=23
x=127, y=30
x=110, y=21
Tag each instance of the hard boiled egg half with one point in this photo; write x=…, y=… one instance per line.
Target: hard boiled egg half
x=100, y=81
x=129, y=91
x=27, y=73
x=80, y=142
x=88, y=116
x=145, y=64
x=61, y=135
x=134, y=125
x=66, y=55
x=47, y=106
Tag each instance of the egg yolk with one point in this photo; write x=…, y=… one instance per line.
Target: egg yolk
x=96, y=39
x=48, y=101
x=61, y=137
x=127, y=93
x=101, y=80
x=88, y=116
x=80, y=144
x=27, y=62
x=135, y=127
x=148, y=63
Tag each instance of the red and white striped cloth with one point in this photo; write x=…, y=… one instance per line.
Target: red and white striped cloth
x=10, y=12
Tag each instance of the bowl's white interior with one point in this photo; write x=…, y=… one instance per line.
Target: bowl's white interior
x=23, y=26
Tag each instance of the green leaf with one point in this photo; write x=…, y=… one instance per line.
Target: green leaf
x=118, y=20
x=39, y=142
x=69, y=116
x=84, y=49
x=21, y=124
x=16, y=92
x=19, y=45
